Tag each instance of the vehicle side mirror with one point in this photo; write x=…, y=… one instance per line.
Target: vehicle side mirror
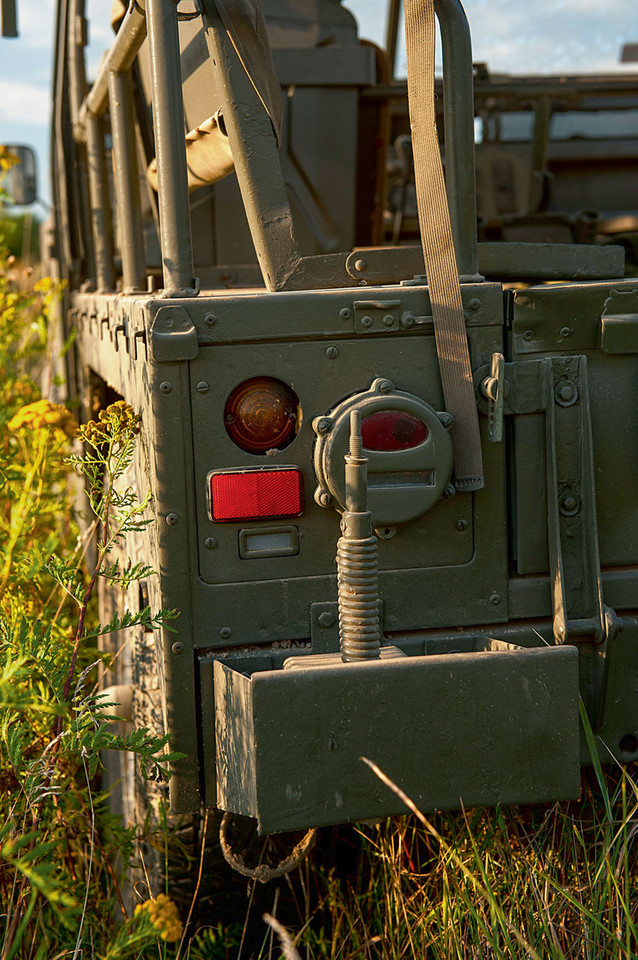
x=20, y=182
x=9, y=18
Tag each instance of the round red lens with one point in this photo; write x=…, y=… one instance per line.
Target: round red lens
x=262, y=414
x=392, y=430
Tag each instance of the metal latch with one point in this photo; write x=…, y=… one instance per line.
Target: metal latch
x=493, y=389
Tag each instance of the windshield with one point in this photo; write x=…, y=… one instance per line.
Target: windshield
x=564, y=36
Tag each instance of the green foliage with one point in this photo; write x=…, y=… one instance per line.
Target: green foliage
x=58, y=889
x=550, y=882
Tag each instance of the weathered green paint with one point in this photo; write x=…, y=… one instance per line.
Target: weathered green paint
x=454, y=716
x=289, y=742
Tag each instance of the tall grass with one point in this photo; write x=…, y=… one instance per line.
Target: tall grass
x=555, y=882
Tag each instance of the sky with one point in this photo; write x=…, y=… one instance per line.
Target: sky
x=511, y=36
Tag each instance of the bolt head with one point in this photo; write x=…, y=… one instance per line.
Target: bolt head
x=474, y=305
x=172, y=519
x=345, y=313
x=225, y=633
x=407, y=320
x=166, y=387
x=178, y=647
x=366, y=321
x=528, y=335
x=326, y=620
x=203, y=387
x=332, y=353
x=324, y=425
x=495, y=600
x=566, y=332
x=210, y=543
x=388, y=320
x=210, y=319
x=384, y=386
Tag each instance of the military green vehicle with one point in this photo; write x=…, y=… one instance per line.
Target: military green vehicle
x=393, y=486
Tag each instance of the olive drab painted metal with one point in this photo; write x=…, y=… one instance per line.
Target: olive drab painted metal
x=338, y=597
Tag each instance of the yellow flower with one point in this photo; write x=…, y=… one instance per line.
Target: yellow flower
x=162, y=913
x=41, y=415
x=7, y=159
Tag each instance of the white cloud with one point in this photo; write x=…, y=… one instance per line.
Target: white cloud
x=24, y=103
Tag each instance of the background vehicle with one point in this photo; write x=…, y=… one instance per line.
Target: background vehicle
x=498, y=605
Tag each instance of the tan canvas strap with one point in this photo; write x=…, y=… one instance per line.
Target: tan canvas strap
x=438, y=249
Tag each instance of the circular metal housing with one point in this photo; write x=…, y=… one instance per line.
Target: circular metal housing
x=403, y=483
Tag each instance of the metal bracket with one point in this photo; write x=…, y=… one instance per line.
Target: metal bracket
x=173, y=335
x=580, y=616
x=619, y=323
x=377, y=316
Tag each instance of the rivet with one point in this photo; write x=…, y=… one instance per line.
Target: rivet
x=361, y=265
x=345, y=313
x=461, y=524
x=495, y=600
x=177, y=647
x=203, y=387
x=210, y=543
x=388, y=320
x=528, y=335
x=210, y=319
x=474, y=305
x=566, y=393
x=172, y=519
x=569, y=504
x=332, y=353
x=165, y=386
x=366, y=321
x=566, y=332
x=225, y=633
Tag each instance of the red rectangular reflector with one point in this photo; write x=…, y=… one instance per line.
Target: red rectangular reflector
x=257, y=494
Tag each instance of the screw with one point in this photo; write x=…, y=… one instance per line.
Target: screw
x=210, y=543
x=474, y=305
x=326, y=620
x=166, y=387
x=528, y=335
x=324, y=425
x=366, y=321
x=345, y=313
x=225, y=633
x=332, y=353
x=407, y=320
x=495, y=600
x=566, y=332
x=384, y=386
x=203, y=387
x=177, y=647
x=388, y=320
x=172, y=519
x=361, y=265
x=461, y=524
x=210, y=319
